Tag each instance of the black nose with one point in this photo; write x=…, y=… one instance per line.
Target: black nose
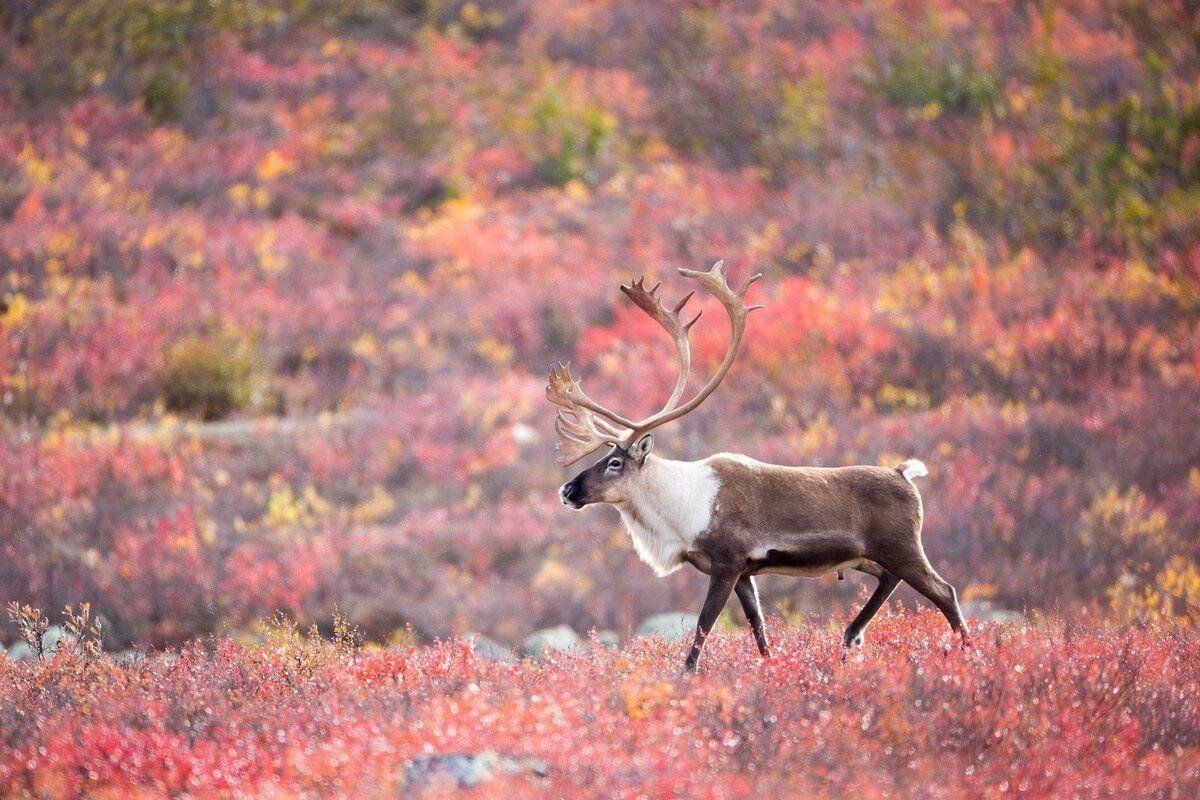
x=569, y=491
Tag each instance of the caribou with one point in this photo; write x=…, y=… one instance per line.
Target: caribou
x=733, y=517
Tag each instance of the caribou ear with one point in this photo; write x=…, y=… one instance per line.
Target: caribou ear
x=641, y=448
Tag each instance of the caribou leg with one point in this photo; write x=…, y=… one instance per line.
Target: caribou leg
x=720, y=586
x=854, y=632
x=747, y=593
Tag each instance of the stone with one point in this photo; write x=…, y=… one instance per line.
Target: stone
x=549, y=640
x=489, y=649
x=51, y=640
x=608, y=640
x=127, y=657
x=20, y=651
x=669, y=625
x=466, y=770
x=987, y=611
x=53, y=637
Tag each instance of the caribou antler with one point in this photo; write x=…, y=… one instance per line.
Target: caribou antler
x=580, y=422
x=583, y=424
x=714, y=283
x=673, y=324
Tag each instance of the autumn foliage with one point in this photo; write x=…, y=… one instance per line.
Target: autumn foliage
x=281, y=281
x=1057, y=710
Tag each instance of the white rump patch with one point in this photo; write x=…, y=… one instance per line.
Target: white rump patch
x=670, y=504
x=913, y=468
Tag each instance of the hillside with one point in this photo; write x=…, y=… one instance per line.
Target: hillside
x=283, y=280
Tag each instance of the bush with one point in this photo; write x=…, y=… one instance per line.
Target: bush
x=1051, y=710
x=211, y=377
x=716, y=96
x=149, y=50
x=924, y=69
x=566, y=138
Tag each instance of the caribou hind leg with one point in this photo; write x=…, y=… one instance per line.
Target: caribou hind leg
x=920, y=574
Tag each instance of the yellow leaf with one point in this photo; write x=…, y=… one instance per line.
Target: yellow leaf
x=273, y=165
x=18, y=307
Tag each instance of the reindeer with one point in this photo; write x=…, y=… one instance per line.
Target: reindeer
x=732, y=517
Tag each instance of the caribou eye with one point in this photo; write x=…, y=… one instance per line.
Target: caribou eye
x=614, y=463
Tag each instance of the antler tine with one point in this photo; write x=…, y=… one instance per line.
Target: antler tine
x=564, y=390
x=580, y=432
x=673, y=324
x=581, y=423
x=713, y=281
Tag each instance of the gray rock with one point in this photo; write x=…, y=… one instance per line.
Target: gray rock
x=549, y=640
x=51, y=640
x=127, y=657
x=489, y=649
x=987, y=611
x=669, y=625
x=467, y=770
x=20, y=651
x=608, y=640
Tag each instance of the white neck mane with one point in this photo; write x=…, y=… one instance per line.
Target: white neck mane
x=670, y=504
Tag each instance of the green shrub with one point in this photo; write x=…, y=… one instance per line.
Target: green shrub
x=718, y=96
x=158, y=51
x=563, y=135
x=567, y=138
x=925, y=69
x=797, y=131
x=211, y=376
x=706, y=101
x=1119, y=167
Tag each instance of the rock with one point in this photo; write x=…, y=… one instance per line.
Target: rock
x=669, y=625
x=466, y=770
x=51, y=640
x=549, y=640
x=127, y=657
x=986, y=611
x=608, y=640
x=524, y=434
x=489, y=649
x=20, y=651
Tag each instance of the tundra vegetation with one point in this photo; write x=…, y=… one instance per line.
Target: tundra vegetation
x=1053, y=710
x=281, y=280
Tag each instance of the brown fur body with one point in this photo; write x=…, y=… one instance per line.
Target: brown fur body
x=808, y=520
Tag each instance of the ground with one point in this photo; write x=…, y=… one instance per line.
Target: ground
x=1063, y=708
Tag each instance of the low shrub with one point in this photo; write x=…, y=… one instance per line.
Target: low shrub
x=211, y=376
x=1045, y=710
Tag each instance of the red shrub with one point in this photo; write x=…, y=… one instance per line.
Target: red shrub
x=1050, y=710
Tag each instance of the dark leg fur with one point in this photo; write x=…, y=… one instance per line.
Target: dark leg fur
x=854, y=633
x=922, y=577
x=747, y=593
x=720, y=586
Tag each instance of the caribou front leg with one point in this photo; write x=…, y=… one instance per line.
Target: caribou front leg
x=854, y=632
x=720, y=586
x=747, y=592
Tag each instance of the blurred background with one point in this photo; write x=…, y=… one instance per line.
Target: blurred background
x=282, y=280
